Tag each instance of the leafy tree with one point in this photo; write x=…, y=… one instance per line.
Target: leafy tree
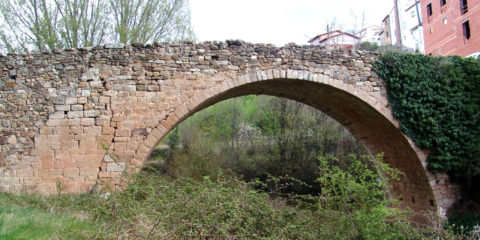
x=150, y=20
x=42, y=25
x=83, y=22
x=28, y=24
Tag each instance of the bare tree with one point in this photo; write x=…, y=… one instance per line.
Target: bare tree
x=83, y=22
x=41, y=25
x=28, y=24
x=151, y=20
x=358, y=24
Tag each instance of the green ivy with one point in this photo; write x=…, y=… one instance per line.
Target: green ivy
x=437, y=100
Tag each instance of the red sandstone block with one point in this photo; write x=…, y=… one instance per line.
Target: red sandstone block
x=46, y=131
x=83, y=164
x=43, y=173
x=96, y=130
x=104, y=175
x=55, y=172
x=84, y=187
x=88, y=172
x=28, y=172
x=53, y=122
x=50, y=179
x=123, y=132
x=87, y=121
x=66, y=145
x=56, y=145
x=71, y=172
x=70, y=187
x=32, y=180
x=119, y=146
x=62, y=130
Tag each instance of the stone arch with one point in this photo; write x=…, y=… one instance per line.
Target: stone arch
x=61, y=112
x=364, y=114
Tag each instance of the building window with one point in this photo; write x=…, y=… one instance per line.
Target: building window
x=443, y=3
x=463, y=6
x=466, y=30
x=429, y=10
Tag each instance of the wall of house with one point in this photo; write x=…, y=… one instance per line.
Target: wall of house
x=443, y=30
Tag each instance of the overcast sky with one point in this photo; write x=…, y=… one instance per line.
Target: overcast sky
x=280, y=21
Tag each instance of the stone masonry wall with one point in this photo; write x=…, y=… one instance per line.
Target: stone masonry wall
x=61, y=112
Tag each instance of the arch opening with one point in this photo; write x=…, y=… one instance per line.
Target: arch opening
x=364, y=121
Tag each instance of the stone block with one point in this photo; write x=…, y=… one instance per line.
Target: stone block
x=55, y=172
x=91, y=113
x=108, y=158
x=88, y=172
x=77, y=107
x=32, y=180
x=62, y=107
x=57, y=115
x=87, y=121
x=116, y=167
x=121, y=139
x=123, y=133
x=82, y=100
x=70, y=100
x=104, y=175
x=114, y=45
x=75, y=114
x=108, y=130
x=27, y=172
x=85, y=93
x=140, y=132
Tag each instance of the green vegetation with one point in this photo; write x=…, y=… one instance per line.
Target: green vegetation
x=41, y=217
x=437, y=100
x=28, y=25
x=255, y=136
x=353, y=205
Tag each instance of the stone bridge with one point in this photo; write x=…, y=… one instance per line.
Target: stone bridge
x=61, y=112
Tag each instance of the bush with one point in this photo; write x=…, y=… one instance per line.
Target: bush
x=355, y=203
x=154, y=207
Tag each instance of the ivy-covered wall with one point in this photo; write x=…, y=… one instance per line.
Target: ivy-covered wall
x=437, y=100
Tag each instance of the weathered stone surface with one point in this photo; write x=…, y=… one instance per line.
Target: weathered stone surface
x=114, y=45
x=80, y=103
x=116, y=167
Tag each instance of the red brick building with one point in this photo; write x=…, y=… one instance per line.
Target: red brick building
x=451, y=27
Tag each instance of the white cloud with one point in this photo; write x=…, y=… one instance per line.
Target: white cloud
x=279, y=21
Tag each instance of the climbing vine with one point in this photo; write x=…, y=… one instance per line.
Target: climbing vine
x=437, y=100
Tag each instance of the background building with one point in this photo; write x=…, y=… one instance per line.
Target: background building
x=451, y=27
x=337, y=39
x=402, y=27
x=370, y=34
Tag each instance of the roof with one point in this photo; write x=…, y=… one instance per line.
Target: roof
x=324, y=36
